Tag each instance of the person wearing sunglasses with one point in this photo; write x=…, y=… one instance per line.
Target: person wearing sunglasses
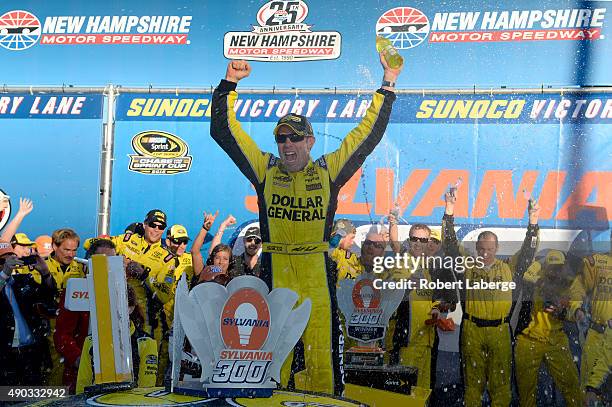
x=176, y=243
x=412, y=337
x=297, y=200
x=248, y=263
x=150, y=271
x=486, y=320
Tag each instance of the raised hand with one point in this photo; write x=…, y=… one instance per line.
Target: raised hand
x=209, y=219
x=237, y=70
x=25, y=207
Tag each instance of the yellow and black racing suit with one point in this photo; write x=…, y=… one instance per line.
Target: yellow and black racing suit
x=486, y=348
x=348, y=265
x=184, y=266
x=154, y=288
x=296, y=212
x=594, y=281
x=544, y=341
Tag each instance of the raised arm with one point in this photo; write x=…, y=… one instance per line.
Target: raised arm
x=229, y=221
x=227, y=131
x=196, y=247
x=449, y=237
x=25, y=207
x=362, y=140
x=520, y=262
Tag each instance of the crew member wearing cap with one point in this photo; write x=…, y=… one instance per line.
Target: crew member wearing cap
x=342, y=238
x=25, y=249
x=412, y=330
x=176, y=242
x=248, y=263
x=595, y=282
x=544, y=341
x=150, y=269
x=297, y=200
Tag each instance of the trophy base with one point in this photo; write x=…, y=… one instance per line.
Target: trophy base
x=362, y=356
x=108, y=387
x=197, y=389
x=397, y=379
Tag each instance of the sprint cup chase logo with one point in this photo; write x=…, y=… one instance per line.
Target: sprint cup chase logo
x=406, y=27
x=19, y=30
x=282, y=35
x=159, y=152
x=5, y=209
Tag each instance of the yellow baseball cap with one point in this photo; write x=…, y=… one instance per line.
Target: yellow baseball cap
x=177, y=232
x=22, y=239
x=554, y=257
x=436, y=234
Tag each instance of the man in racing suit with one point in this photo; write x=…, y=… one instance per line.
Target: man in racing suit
x=297, y=199
x=595, y=282
x=486, y=348
x=150, y=270
x=547, y=283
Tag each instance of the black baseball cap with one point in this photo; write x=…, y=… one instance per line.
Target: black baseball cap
x=253, y=231
x=156, y=215
x=298, y=123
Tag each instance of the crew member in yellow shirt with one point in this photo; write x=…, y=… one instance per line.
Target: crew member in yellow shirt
x=594, y=281
x=486, y=347
x=544, y=341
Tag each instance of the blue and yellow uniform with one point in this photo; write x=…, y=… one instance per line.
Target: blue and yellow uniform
x=296, y=212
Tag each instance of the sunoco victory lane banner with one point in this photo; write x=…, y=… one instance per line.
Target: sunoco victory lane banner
x=499, y=146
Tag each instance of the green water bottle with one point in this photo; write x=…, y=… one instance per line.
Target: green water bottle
x=393, y=58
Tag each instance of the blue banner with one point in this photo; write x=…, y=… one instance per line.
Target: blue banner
x=59, y=106
x=342, y=108
x=500, y=163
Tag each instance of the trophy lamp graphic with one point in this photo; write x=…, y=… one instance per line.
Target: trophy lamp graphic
x=245, y=310
x=242, y=333
x=367, y=293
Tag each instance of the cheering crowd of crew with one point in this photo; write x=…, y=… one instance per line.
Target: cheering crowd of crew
x=42, y=342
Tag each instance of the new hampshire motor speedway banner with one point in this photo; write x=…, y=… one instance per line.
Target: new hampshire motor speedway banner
x=51, y=154
x=500, y=149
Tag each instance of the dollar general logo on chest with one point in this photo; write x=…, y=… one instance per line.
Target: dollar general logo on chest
x=299, y=209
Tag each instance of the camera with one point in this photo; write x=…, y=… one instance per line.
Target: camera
x=29, y=260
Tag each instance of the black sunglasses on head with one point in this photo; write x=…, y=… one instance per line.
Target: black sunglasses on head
x=282, y=138
x=254, y=239
x=156, y=226
x=419, y=239
x=179, y=241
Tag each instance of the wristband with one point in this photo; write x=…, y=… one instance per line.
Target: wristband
x=205, y=228
x=388, y=83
